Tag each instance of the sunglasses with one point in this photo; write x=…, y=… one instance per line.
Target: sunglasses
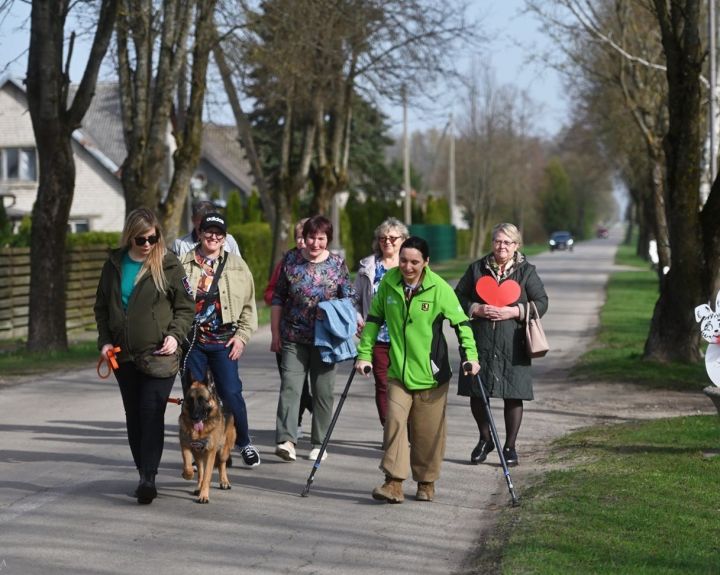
x=217, y=235
x=390, y=239
x=141, y=241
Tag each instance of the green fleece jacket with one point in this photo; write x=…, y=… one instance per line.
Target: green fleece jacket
x=418, y=350
x=150, y=315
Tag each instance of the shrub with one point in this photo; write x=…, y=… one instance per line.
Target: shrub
x=255, y=240
x=234, y=210
x=110, y=239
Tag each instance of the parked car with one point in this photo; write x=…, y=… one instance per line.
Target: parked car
x=561, y=241
x=602, y=232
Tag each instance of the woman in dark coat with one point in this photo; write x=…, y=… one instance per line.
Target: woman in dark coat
x=500, y=337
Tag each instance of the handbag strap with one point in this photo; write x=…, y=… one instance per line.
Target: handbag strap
x=213, y=286
x=530, y=307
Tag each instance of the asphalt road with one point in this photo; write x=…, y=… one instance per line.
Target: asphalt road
x=66, y=476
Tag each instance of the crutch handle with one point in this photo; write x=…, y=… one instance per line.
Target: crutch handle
x=467, y=367
x=367, y=369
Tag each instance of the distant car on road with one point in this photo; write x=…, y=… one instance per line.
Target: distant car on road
x=561, y=241
x=602, y=232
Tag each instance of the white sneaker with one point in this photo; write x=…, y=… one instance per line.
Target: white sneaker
x=285, y=451
x=314, y=452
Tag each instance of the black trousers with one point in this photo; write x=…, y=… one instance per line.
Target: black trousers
x=145, y=400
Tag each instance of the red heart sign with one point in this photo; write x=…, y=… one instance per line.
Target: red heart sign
x=497, y=294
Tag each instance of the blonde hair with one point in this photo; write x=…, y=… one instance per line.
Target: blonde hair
x=510, y=230
x=388, y=225
x=137, y=222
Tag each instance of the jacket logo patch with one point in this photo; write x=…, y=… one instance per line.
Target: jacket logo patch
x=425, y=306
x=186, y=285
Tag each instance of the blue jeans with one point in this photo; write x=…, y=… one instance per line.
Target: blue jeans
x=227, y=382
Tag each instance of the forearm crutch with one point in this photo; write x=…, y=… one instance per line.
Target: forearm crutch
x=493, y=431
x=325, y=442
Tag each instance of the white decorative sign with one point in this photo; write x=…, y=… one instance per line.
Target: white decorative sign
x=710, y=331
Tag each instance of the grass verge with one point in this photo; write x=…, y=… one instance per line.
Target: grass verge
x=15, y=360
x=639, y=499
x=624, y=324
x=635, y=498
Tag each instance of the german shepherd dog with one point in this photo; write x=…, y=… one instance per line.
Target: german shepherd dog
x=207, y=435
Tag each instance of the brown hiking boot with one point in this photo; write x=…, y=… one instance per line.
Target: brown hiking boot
x=390, y=491
x=426, y=491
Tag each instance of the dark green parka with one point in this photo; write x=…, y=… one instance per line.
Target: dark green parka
x=501, y=346
x=150, y=315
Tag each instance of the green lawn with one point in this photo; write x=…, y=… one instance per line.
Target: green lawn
x=637, y=498
x=624, y=323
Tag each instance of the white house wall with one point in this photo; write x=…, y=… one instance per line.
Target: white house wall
x=98, y=194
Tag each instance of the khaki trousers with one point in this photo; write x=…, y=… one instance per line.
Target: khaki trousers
x=415, y=432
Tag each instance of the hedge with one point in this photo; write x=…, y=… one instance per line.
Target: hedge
x=255, y=241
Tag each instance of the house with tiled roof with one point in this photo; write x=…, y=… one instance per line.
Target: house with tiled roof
x=99, y=148
x=98, y=202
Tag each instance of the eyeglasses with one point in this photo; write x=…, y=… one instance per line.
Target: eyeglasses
x=389, y=239
x=506, y=243
x=141, y=241
x=217, y=235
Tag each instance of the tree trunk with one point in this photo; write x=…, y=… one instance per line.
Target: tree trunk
x=187, y=155
x=659, y=213
x=147, y=92
x=673, y=331
x=245, y=135
x=53, y=124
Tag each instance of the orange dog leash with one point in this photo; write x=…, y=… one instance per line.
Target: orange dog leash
x=111, y=362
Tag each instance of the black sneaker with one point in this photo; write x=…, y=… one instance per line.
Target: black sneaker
x=250, y=455
x=480, y=453
x=511, y=456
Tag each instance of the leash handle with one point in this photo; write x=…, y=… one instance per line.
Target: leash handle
x=110, y=360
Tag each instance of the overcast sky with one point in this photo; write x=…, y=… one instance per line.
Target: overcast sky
x=514, y=37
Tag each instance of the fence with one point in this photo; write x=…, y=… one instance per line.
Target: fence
x=83, y=266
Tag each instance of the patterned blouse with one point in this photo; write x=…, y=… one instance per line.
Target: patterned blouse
x=301, y=286
x=210, y=330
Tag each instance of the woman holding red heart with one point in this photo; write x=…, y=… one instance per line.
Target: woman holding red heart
x=493, y=293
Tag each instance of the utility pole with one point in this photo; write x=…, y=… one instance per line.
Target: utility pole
x=451, y=172
x=406, y=163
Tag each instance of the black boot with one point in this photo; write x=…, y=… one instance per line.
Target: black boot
x=142, y=478
x=146, y=490
x=480, y=453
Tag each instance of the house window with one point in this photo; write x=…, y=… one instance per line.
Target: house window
x=18, y=164
x=78, y=226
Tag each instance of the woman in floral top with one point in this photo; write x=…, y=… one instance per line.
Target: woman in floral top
x=309, y=276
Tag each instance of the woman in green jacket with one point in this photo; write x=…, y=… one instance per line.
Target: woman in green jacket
x=500, y=337
x=414, y=302
x=142, y=307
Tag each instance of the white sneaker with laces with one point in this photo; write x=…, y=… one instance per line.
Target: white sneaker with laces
x=314, y=452
x=286, y=451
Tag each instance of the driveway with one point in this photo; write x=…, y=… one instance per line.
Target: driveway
x=66, y=477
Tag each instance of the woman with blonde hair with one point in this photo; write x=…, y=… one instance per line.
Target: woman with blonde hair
x=143, y=307
x=389, y=236
x=499, y=332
